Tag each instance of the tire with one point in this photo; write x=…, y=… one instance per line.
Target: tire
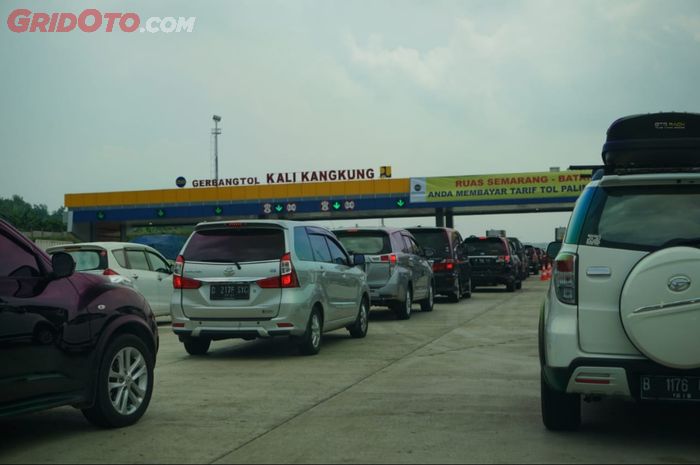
x=358, y=330
x=197, y=345
x=510, y=286
x=127, y=364
x=560, y=411
x=468, y=293
x=403, y=309
x=426, y=305
x=310, y=343
x=519, y=285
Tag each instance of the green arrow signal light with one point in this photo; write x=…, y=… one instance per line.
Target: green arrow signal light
x=100, y=215
x=336, y=206
x=401, y=203
x=279, y=208
x=160, y=213
x=218, y=210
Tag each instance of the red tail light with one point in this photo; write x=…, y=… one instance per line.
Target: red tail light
x=181, y=282
x=503, y=259
x=564, y=278
x=286, y=279
x=389, y=258
x=447, y=265
x=110, y=272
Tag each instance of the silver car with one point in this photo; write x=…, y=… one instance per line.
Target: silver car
x=398, y=270
x=264, y=278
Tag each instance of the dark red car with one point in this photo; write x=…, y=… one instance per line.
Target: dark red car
x=70, y=338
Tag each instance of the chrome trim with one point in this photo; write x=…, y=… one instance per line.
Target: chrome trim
x=598, y=271
x=663, y=306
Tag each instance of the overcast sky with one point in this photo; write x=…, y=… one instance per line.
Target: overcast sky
x=432, y=88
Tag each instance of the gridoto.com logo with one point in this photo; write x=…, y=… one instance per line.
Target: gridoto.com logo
x=92, y=20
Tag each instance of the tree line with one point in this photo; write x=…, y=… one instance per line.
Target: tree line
x=30, y=217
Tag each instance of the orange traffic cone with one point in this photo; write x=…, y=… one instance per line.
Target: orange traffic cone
x=543, y=274
x=549, y=271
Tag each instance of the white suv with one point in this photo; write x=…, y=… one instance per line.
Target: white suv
x=622, y=314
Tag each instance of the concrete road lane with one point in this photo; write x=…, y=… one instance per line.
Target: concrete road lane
x=458, y=385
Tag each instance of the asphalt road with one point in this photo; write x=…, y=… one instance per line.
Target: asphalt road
x=458, y=385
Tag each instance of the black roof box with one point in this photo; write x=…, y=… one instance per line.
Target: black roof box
x=653, y=142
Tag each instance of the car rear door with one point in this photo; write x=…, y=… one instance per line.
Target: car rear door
x=624, y=224
x=380, y=255
x=164, y=283
x=227, y=264
x=420, y=268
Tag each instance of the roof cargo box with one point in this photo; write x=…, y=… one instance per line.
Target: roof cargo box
x=653, y=142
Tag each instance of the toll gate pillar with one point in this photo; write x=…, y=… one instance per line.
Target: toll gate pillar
x=440, y=217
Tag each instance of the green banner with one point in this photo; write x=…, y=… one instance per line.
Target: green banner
x=516, y=186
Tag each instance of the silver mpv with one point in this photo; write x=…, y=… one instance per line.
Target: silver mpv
x=263, y=278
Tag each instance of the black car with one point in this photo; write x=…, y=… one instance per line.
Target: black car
x=533, y=257
x=70, y=338
x=451, y=267
x=493, y=262
x=518, y=249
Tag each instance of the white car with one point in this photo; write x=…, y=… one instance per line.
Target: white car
x=138, y=265
x=622, y=315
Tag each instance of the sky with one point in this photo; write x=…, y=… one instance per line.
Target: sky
x=431, y=88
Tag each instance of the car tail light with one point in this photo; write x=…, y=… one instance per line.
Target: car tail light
x=287, y=277
x=447, y=265
x=564, y=278
x=181, y=282
x=503, y=259
x=389, y=258
x=110, y=272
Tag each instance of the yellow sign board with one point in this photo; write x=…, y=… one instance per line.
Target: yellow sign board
x=494, y=187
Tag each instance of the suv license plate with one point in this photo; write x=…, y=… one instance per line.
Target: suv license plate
x=229, y=292
x=670, y=388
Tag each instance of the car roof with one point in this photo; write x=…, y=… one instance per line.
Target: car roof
x=286, y=224
x=387, y=229
x=103, y=245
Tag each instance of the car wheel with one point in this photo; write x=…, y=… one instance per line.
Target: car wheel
x=510, y=286
x=468, y=292
x=403, y=310
x=427, y=304
x=359, y=328
x=519, y=285
x=197, y=345
x=124, y=383
x=310, y=343
x=560, y=411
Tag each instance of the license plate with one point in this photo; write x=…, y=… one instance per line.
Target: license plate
x=671, y=388
x=229, y=292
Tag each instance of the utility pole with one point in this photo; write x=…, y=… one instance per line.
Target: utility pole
x=216, y=131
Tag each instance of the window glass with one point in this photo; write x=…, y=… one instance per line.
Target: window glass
x=86, y=260
x=137, y=260
x=364, y=242
x=16, y=260
x=236, y=245
x=120, y=257
x=407, y=246
x=320, y=248
x=337, y=254
x=157, y=263
x=302, y=246
x=643, y=218
x=435, y=239
x=485, y=246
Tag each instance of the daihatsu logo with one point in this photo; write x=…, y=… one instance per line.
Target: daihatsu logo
x=679, y=283
x=229, y=271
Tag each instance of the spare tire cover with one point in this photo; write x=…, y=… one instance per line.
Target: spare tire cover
x=660, y=307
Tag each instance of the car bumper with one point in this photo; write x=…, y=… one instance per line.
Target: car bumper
x=491, y=277
x=291, y=320
x=445, y=283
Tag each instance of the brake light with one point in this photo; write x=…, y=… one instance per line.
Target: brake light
x=389, y=258
x=287, y=277
x=503, y=259
x=110, y=272
x=181, y=282
x=564, y=278
x=447, y=265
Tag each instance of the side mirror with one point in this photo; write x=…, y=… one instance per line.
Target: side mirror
x=553, y=249
x=358, y=259
x=428, y=252
x=63, y=265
